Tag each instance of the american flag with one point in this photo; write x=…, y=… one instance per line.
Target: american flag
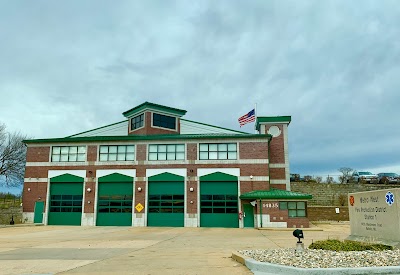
x=247, y=118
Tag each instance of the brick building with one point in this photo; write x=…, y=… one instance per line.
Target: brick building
x=155, y=168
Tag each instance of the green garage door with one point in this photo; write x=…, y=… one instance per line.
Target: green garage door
x=115, y=195
x=166, y=200
x=66, y=194
x=219, y=201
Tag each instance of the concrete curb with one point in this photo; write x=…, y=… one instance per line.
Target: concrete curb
x=290, y=229
x=268, y=268
x=20, y=225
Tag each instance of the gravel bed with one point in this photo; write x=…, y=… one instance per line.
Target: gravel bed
x=313, y=258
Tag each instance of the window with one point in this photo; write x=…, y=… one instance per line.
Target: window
x=218, y=151
x=66, y=203
x=68, y=153
x=295, y=208
x=166, y=152
x=137, y=122
x=117, y=152
x=115, y=204
x=163, y=121
x=219, y=204
x=166, y=204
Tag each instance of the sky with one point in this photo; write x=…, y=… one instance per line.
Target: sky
x=71, y=66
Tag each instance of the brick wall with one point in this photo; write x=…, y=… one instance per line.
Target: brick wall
x=277, y=153
x=191, y=151
x=327, y=213
x=38, y=154
x=148, y=130
x=251, y=150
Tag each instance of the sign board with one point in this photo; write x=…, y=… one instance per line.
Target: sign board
x=375, y=214
x=139, y=207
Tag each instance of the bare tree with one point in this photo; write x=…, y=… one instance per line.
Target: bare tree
x=318, y=179
x=12, y=157
x=346, y=174
x=329, y=179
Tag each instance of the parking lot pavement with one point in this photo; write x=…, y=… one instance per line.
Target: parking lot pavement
x=148, y=250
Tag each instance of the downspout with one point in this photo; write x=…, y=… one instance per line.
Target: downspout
x=261, y=214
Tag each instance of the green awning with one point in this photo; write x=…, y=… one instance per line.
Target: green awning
x=275, y=194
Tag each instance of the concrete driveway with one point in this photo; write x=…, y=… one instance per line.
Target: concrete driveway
x=128, y=250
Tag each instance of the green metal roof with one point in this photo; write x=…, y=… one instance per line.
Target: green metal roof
x=153, y=106
x=201, y=123
x=146, y=137
x=272, y=119
x=275, y=194
x=102, y=127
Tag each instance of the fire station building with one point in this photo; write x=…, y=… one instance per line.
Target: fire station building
x=155, y=168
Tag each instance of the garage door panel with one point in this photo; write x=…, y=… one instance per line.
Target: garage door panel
x=219, y=203
x=166, y=203
x=219, y=220
x=114, y=206
x=219, y=188
x=166, y=219
x=65, y=218
x=120, y=219
x=65, y=205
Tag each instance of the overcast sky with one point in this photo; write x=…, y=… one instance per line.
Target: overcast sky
x=71, y=66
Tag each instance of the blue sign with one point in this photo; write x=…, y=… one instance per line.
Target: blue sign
x=389, y=198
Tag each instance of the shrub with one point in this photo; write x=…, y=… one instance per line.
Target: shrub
x=337, y=245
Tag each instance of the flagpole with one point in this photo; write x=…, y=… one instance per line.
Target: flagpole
x=255, y=114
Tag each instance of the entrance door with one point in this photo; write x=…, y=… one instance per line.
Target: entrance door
x=248, y=211
x=38, y=216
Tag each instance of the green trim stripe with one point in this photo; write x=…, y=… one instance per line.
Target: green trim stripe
x=149, y=137
x=272, y=119
x=275, y=194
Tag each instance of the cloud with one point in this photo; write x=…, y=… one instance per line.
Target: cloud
x=332, y=65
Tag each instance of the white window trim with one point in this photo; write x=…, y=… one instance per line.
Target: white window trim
x=168, y=129
x=144, y=122
x=237, y=151
x=51, y=154
x=113, y=161
x=184, y=156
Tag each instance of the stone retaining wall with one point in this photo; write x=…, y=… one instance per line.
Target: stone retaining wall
x=334, y=194
x=6, y=214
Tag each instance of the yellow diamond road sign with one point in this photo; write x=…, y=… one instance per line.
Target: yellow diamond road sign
x=139, y=207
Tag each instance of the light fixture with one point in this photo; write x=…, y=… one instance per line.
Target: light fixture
x=191, y=202
x=139, y=189
x=191, y=189
x=29, y=189
x=89, y=190
x=89, y=202
x=251, y=177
